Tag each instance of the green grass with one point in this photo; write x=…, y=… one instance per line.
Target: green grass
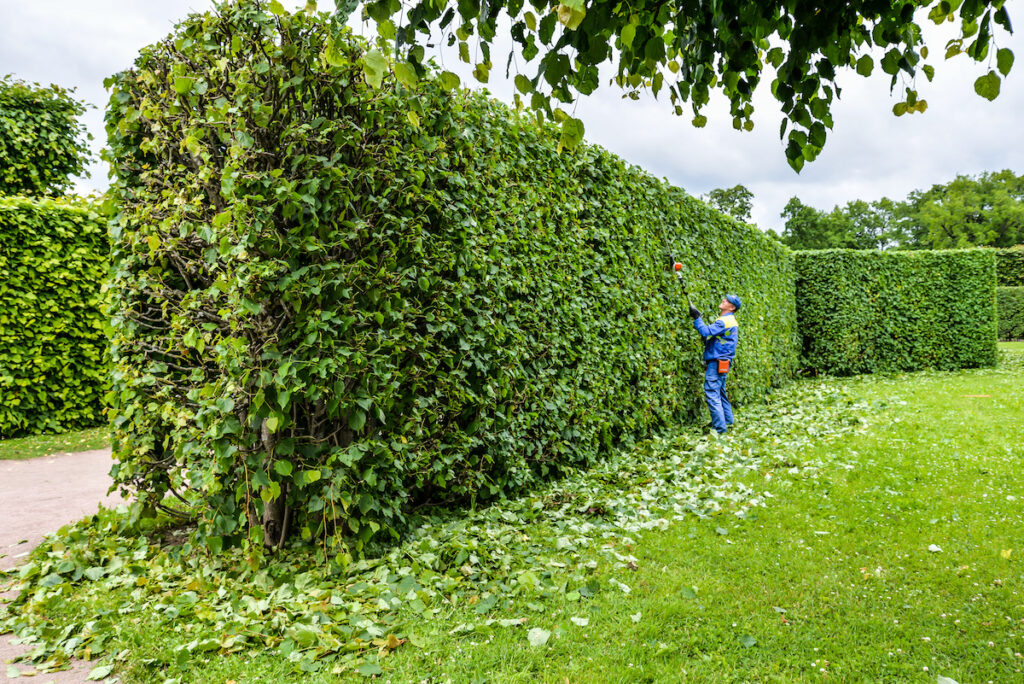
x=1012, y=346
x=44, y=445
x=844, y=552
x=828, y=576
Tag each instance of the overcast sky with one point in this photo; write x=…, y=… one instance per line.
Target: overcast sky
x=870, y=153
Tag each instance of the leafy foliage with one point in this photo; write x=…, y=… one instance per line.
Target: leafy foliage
x=688, y=49
x=1010, y=305
x=1010, y=266
x=869, y=311
x=53, y=258
x=501, y=562
x=969, y=211
x=736, y=201
x=42, y=142
x=336, y=302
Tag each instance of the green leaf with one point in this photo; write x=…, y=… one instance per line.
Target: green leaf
x=482, y=72
x=700, y=121
x=356, y=420
x=571, y=13
x=523, y=84
x=332, y=55
x=688, y=592
x=627, y=35
x=572, y=132
x=988, y=86
x=272, y=424
x=449, y=80
x=99, y=672
x=13, y=672
x=369, y=669
x=277, y=8
x=1004, y=60
x=283, y=468
x=406, y=74
x=311, y=476
x=374, y=67
x=865, y=65
x=748, y=641
x=183, y=85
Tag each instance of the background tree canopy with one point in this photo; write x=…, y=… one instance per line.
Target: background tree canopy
x=969, y=211
x=736, y=201
x=687, y=48
x=42, y=142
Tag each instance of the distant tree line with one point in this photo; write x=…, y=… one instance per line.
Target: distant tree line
x=970, y=211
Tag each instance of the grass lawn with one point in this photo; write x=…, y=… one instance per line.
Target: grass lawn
x=872, y=533
x=44, y=445
x=1012, y=346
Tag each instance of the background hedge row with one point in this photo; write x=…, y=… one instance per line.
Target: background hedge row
x=1010, y=302
x=53, y=258
x=869, y=311
x=346, y=303
x=1010, y=266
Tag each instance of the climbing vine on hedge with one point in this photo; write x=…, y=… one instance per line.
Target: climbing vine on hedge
x=337, y=303
x=53, y=257
x=863, y=311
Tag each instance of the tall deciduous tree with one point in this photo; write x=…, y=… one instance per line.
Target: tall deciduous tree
x=736, y=201
x=42, y=141
x=685, y=49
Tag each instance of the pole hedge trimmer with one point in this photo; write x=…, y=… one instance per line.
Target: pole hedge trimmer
x=677, y=268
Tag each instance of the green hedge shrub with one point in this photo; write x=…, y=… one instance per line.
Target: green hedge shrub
x=53, y=258
x=868, y=311
x=1010, y=306
x=42, y=142
x=1010, y=266
x=337, y=303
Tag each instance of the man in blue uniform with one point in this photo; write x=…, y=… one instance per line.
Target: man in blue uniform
x=720, y=339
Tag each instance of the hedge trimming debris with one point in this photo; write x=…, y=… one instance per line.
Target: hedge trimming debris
x=1010, y=305
x=337, y=303
x=53, y=257
x=865, y=311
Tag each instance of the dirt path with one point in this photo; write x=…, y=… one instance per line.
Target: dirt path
x=39, y=496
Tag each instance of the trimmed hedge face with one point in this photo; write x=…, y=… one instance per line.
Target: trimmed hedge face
x=1010, y=266
x=359, y=301
x=867, y=311
x=1010, y=305
x=53, y=258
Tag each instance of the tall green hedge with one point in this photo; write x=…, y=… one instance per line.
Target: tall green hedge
x=867, y=311
x=1010, y=266
x=1010, y=304
x=337, y=303
x=53, y=257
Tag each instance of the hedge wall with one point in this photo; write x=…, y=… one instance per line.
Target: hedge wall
x=1010, y=305
x=53, y=257
x=1010, y=266
x=868, y=311
x=338, y=303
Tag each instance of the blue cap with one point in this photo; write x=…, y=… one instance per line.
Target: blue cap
x=734, y=300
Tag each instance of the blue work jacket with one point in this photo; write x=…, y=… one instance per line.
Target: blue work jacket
x=720, y=337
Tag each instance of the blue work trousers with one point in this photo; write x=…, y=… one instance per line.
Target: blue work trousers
x=718, y=402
